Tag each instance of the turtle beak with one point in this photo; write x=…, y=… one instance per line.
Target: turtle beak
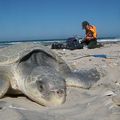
x=53, y=98
x=58, y=97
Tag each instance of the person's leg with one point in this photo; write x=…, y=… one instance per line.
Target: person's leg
x=92, y=44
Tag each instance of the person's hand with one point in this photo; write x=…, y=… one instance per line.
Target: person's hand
x=88, y=38
x=83, y=41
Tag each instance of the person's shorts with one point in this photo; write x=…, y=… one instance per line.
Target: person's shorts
x=92, y=44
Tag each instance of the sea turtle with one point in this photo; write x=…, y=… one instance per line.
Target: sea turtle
x=39, y=73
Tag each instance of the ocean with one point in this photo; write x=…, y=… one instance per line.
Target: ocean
x=44, y=42
x=50, y=41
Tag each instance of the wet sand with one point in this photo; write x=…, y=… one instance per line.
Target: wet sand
x=81, y=104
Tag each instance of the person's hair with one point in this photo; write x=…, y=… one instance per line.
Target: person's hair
x=84, y=24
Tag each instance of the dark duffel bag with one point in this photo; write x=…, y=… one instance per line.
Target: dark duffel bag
x=73, y=43
x=58, y=46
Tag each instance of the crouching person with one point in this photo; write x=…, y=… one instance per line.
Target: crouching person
x=91, y=35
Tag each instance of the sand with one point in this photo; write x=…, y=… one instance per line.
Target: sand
x=96, y=103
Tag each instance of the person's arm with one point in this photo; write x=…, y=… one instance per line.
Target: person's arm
x=89, y=38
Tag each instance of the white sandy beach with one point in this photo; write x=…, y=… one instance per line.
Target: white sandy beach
x=81, y=104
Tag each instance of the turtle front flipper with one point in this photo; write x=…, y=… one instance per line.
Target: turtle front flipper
x=4, y=85
x=83, y=78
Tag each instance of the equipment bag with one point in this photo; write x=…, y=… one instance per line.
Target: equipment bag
x=73, y=43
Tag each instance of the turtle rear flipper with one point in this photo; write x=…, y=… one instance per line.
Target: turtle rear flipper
x=4, y=86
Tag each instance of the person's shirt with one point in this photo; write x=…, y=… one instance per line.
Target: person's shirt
x=91, y=32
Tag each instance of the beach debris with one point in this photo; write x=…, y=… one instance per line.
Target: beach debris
x=15, y=107
x=109, y=93
x=97, y=56
x=4, y=105
x=64, y=50
x=100, y=55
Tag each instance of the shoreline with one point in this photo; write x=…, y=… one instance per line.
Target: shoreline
x=49, y=42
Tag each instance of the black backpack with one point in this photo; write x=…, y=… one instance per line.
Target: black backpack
x=73, y=43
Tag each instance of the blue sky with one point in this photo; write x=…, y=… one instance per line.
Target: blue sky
x=47, y=19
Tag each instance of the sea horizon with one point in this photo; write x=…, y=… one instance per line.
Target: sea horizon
x=53, y=39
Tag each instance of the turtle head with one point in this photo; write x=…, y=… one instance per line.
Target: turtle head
x=40, y=77
x=46, y=87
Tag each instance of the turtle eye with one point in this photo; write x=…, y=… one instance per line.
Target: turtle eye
x=40, y=85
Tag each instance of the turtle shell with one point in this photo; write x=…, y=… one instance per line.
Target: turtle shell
x=14, y=53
